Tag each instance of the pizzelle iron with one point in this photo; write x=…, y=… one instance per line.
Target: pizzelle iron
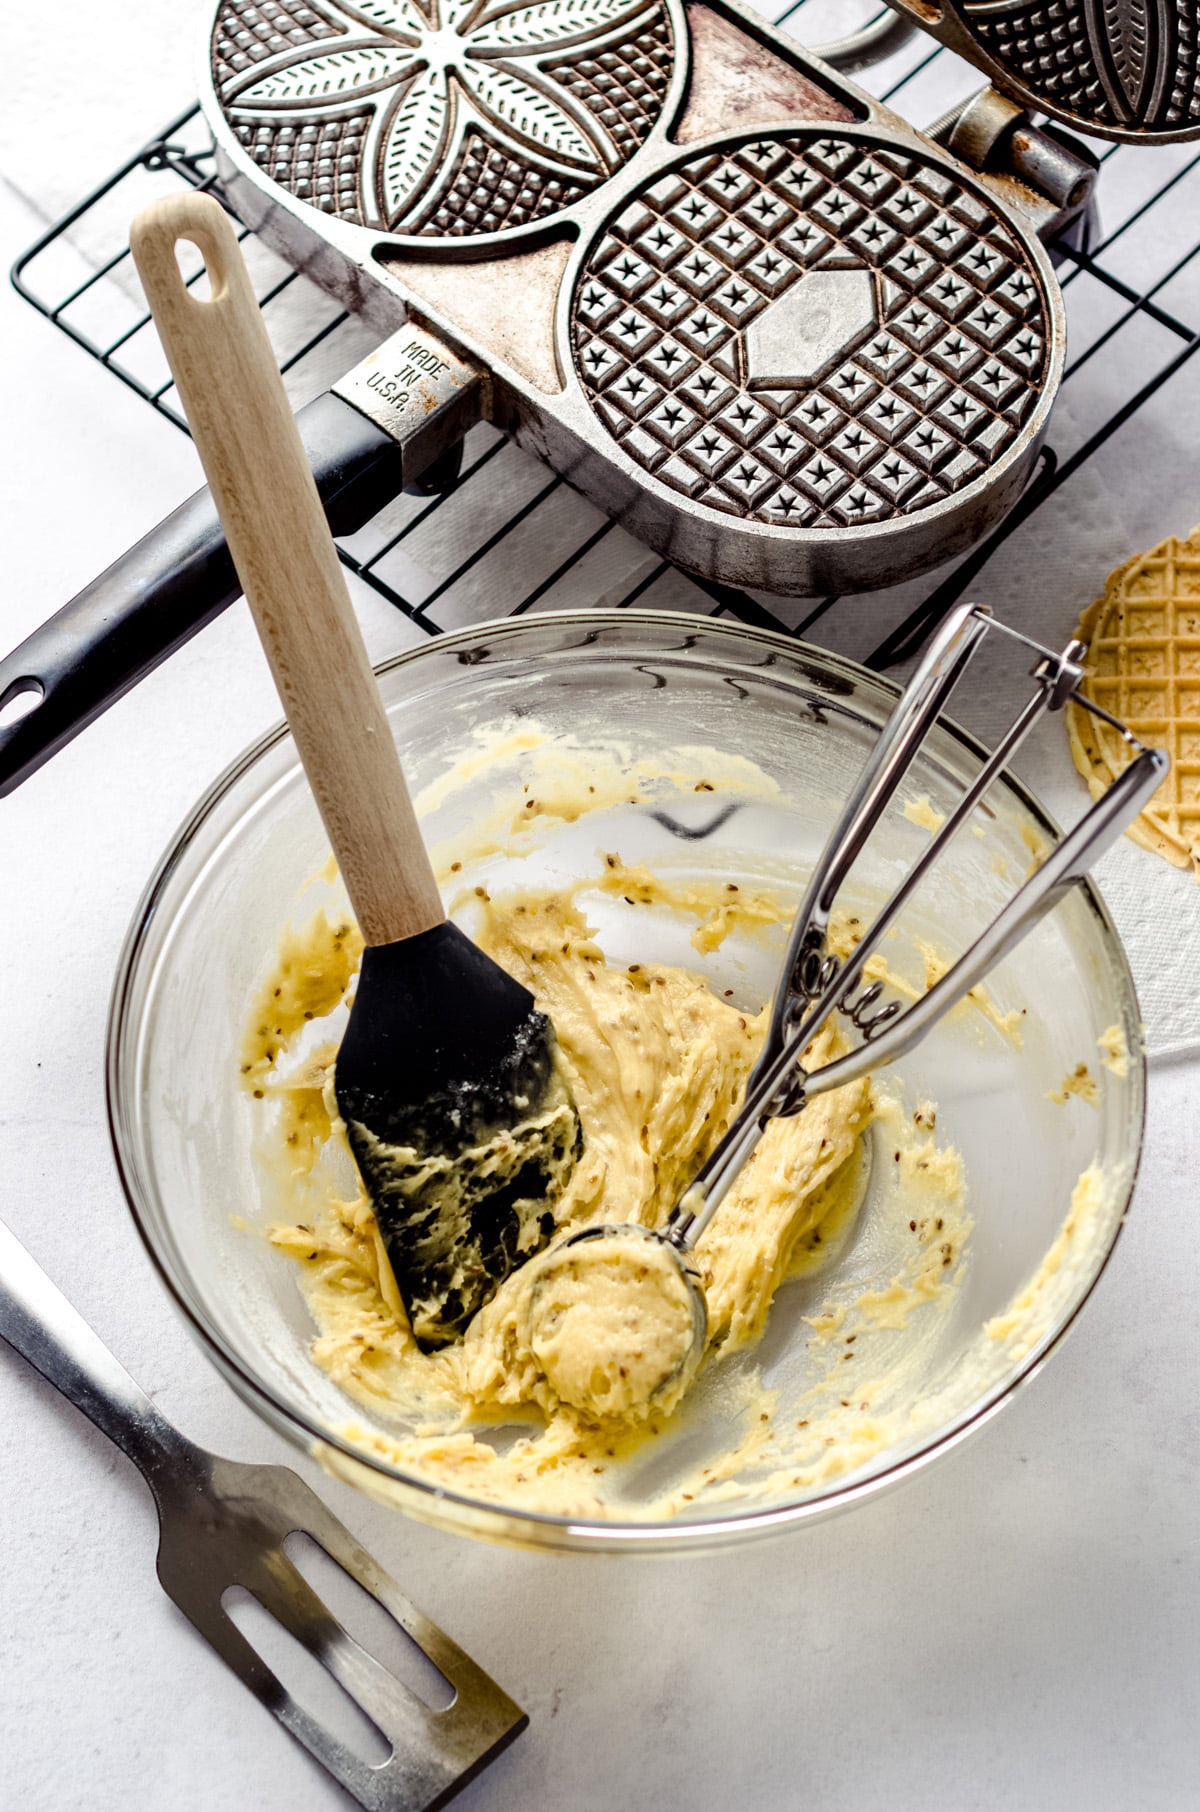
x=734, y=301
x=813, y=983
x=599, y=224
x=688, y=264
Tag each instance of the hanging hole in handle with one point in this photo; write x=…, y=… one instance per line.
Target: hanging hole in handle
x=193, y=264
x=19, y=699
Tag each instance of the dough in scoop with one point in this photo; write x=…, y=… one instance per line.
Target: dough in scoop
x=614, y=1326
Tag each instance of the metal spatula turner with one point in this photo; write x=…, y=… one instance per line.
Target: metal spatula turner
x=223, y=1524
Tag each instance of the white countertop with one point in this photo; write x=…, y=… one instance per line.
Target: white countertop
x=1015, y=1628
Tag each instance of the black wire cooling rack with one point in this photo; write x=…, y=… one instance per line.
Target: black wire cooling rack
x=507, y=525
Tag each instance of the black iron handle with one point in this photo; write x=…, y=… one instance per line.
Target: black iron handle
x=166, y=588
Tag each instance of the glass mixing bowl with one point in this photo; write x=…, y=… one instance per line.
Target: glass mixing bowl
x=765, y=737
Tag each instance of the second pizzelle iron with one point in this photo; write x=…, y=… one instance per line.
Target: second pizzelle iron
x=1123, y=69
x=813, y=984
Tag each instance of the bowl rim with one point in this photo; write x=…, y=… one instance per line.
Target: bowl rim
x=420, y=1497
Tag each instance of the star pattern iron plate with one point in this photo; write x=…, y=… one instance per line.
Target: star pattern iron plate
x=922, y=406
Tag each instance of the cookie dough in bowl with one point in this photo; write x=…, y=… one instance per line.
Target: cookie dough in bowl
x=623, y=808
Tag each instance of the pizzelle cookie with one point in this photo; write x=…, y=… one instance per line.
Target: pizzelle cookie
x=1143, y=666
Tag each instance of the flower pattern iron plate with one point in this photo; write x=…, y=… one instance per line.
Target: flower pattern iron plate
x=441, y=118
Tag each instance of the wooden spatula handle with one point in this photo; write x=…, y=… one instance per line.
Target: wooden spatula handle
x=230, y=387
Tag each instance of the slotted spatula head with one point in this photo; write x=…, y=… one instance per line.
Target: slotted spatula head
x=224, y=1524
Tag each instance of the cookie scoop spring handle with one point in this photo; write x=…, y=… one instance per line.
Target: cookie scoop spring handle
x=229, y=383
x=779, y=1084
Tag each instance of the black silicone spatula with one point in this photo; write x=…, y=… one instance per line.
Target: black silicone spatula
x=457, y=1113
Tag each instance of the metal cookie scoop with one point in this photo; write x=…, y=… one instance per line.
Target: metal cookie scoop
x=223, y=1524
x=813, y=983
